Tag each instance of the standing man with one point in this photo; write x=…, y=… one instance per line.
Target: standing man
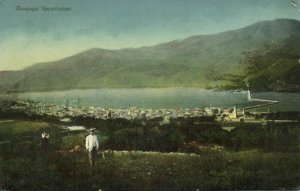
x=45, y=142
x=92, y=145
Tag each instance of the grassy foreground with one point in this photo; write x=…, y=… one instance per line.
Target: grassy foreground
x=24, y=167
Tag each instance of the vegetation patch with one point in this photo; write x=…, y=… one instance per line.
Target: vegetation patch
x=200, y=157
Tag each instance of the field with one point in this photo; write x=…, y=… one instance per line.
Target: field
x=23, y=166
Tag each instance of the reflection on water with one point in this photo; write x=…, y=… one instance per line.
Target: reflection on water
x=161, y=98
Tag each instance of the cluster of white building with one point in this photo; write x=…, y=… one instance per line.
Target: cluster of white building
x=63, y=111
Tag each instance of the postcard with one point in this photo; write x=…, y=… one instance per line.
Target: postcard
x=149, y=95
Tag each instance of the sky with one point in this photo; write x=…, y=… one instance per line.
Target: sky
x=29, y=36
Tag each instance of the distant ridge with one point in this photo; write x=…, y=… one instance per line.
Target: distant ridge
x=266, y=54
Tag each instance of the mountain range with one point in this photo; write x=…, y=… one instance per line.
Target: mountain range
x=265, y=54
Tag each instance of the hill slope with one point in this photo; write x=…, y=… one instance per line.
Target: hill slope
x=223, y=60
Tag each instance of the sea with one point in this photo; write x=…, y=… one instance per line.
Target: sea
x=162, y=98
